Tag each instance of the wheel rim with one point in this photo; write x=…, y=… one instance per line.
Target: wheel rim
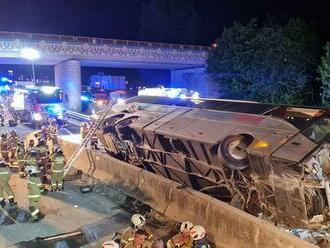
x=235, y=150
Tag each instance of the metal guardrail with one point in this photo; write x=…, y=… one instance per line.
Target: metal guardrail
x=77, y=116
x=98, y=41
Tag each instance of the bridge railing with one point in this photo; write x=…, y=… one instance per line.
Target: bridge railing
x=98, y=41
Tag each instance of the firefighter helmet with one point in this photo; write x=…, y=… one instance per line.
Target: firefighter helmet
x=138, y=220
x=186, y=226
x=197, y=232
x=110, y=244
x=32, y=170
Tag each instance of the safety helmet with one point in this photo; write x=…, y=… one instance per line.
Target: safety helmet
x=186, y=226
x=197, y=232
x=31, y=170
x=138, y=220
x=110, y=244
x=2, y=163
x=33, y=152
x=59, y=151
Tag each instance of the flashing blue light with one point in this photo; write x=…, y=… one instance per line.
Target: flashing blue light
x=183, y=96
x=120, y=101
x=84, y=98
x=195, y=95
x=57, y=109
x=4, y=79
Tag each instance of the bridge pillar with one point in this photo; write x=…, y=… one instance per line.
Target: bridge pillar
x=196, y=79
x=68, y=78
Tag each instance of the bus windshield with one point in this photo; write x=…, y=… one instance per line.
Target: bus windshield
x=318, y=130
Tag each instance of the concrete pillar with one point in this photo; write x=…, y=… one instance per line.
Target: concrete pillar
x=196, y=79
x=68, y=78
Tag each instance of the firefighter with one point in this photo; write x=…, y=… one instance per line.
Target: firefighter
x=21, y=158
x=139, y=240
x=5, y=175
x=83, y=130
x=4, y=146
x=2, y=120
x=199, y=237
x=183, y=239
x=58, y=164
x=137, y=222
x=13, y=141
x=43, y=159
x=32, y=158
x=53, y=132
x=35, y=188
x=30, y=146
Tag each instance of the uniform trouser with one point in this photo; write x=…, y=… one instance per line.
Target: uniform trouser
x=34, y=205
x=57, y=180
x=13, y=154
x=5, y=155
x=21, y=167
x=5, y=188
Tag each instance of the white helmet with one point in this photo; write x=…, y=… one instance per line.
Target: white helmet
x=138, y=220
x=197, y=232
x=31, y=170
x=186, y=226
x=110, y=244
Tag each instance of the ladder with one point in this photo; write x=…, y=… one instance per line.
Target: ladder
x=92, y=130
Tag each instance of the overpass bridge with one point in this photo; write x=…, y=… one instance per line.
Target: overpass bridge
x=69, y=53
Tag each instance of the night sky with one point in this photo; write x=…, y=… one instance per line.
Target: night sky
x=120, y=19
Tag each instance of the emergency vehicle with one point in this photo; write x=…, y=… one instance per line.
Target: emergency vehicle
x=34, y=105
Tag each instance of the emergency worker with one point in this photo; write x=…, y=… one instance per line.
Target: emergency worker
x=4, y=146
x=139, y=240
x=35, y=188
x=53, y=132
x=43, y=158
x=183, y=239
x=32, y=158
x=198, y=235
x=5, y=175
x=13, y=141
x=57, y=168
x=137, y=222
x=30, y=146
x=2, y=120
x=21, y=159
x=83, y=130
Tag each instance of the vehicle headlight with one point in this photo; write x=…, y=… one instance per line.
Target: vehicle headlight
x=37, y=116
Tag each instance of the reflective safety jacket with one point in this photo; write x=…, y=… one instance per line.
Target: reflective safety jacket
x=58, y=163
x=5, y=174
x=42, y=150
x=32, y=161
x=35, y=187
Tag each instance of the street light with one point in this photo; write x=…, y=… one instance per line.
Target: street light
x=30, y=54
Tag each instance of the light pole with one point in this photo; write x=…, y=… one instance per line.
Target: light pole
x=31, y=54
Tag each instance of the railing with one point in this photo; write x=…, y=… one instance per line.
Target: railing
x=97, y=41
x=77, y=116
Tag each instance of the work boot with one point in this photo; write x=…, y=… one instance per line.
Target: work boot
x=12, y=202
x=3, y=203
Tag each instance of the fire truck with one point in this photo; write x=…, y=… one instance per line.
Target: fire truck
x=35, y=105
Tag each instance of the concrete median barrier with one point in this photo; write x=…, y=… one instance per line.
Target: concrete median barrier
x=226, y=226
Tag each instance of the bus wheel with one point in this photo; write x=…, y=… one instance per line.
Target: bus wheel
x=232, y=152
x=315, y=203
x=238, y=202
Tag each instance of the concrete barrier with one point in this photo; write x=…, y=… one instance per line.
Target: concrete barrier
x=226, y=226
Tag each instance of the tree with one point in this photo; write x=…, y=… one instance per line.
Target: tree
x=269, y=63
x=324, y=70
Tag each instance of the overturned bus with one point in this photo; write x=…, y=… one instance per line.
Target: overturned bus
x=265, y=159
